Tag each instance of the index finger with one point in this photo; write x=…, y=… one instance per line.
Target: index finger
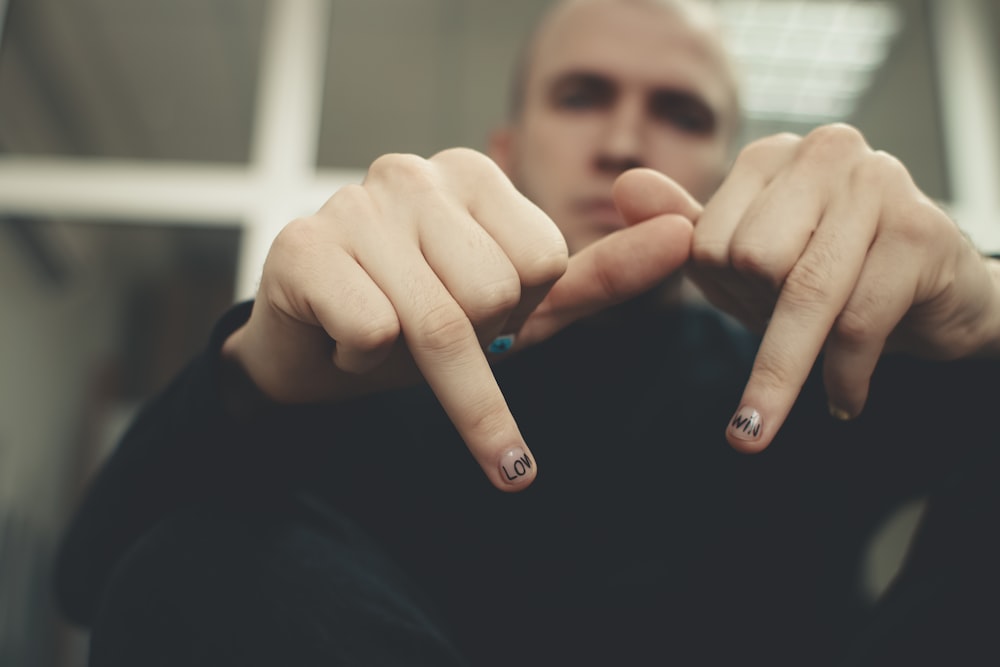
x=812, y=297
x=443, y=343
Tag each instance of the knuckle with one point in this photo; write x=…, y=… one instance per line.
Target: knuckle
x=834, y=137
x=710, y=253
x=470, y=163
x=759, y=151
x=298, y=234
x=880, y=170
x=919, y=223
x=400, y=167
x=486, y=417
x=772, y=371
x=472, y=171
x=442, y=330
x=913, y=219
x=807, y=285
x=853, y=328
x=376, y=334
x=759, y=261
x=546, y=266
x=495, y=298
x=348, y=202
x=890, y=164
x=462, y=157
x=483, y=416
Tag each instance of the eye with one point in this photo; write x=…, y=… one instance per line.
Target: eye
x=578, y=99
x=581, y=92
x=684, y=111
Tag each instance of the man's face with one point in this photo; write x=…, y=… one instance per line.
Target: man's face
x=613, y=86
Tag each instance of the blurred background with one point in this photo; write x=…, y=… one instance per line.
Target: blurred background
x=151, y=149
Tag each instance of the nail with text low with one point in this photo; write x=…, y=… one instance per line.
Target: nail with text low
x=516, y=466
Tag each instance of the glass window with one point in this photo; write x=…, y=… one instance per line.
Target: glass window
x=405, y=76
x=143, y=80
x=98, y=317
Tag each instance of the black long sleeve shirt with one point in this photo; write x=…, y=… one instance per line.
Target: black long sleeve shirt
x=643, y=524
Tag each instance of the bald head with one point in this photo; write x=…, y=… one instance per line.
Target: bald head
x=699, y=17
x=608, y=85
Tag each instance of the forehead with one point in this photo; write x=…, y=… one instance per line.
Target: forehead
x=633, y=43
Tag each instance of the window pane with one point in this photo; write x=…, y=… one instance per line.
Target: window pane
x=422, y=75
x=417, y=75
x=896, y=106
x=140, y=79
x=97, y=318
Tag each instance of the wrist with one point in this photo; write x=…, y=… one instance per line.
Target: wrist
x=239, y=394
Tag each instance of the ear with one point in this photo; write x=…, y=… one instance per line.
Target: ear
x=501, y=148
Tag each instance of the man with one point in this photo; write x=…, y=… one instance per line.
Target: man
x=298, y=496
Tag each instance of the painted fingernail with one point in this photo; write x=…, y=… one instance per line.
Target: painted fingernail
x=501, y=344
x=839, y=413
x=745, y=424
x=515, y=466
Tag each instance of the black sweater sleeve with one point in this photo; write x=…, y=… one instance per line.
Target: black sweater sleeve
x=174, y=451
x=186, y=448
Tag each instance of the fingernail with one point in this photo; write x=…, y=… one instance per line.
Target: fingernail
x=515, y=466
x=839, y=413
x=745, y=424
x=501, y=344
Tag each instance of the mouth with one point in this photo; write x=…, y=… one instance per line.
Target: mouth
x=600, y=212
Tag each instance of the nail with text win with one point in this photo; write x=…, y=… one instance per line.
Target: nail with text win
x=515, y=466
x=745, y=424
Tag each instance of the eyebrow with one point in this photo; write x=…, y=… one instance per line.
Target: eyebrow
x=667, y=100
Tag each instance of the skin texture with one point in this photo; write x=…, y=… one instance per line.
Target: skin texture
x=817, y=241
x=822, y=243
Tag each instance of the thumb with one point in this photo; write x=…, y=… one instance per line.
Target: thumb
x=641, y=194
x=623, y=264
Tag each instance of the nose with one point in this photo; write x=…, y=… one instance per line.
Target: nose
x=622, y=143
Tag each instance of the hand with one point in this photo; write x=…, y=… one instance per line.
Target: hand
x=414, y=271
x=824, y=244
